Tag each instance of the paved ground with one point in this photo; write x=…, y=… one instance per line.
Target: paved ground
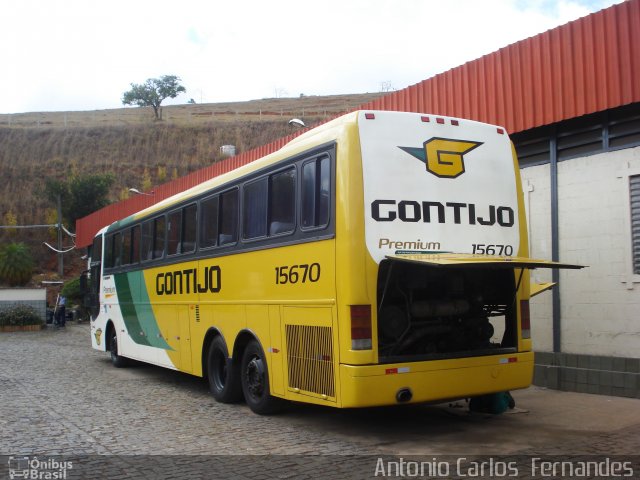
x=58, y=397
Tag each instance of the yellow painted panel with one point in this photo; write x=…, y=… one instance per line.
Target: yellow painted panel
x=432, y=381
x=275, y=351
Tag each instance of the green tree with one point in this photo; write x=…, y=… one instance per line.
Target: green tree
x=72, y=291
x=16, y=264
x=153, y=92
x=88, y=194
x=80, y=195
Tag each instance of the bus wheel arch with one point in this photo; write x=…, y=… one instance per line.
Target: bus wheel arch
x=254, y=376
x=222, y=371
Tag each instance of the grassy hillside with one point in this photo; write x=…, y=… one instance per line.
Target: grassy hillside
x=131, y=145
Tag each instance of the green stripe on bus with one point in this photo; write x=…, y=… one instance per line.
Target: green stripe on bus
x=137, y=312
x=145, y=313
x=128, y=309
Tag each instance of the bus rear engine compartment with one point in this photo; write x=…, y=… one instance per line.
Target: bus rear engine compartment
x=431, y=312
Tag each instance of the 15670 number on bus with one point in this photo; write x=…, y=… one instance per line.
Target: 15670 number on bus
x=486, y=249
x=298, y=273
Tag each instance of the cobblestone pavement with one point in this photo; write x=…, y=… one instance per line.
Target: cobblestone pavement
x=58, y=397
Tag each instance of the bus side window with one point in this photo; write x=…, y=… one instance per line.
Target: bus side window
x=117, y=249
x=126, y=247
x=135, y=244
x=159, y=231
x=174, y=225
x=189, y=215
x=228, y=222
x=108, y=251
x=316, y=181
x=282, y=198
x=147, y=240
x=209, y=222
x=254, y=215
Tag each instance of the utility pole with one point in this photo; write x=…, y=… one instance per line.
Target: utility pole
x=60, y=259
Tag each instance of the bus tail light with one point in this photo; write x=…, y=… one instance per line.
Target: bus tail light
x=525, y=319
x=361, y=327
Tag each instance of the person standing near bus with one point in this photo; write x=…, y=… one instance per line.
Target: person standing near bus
x=61, y=312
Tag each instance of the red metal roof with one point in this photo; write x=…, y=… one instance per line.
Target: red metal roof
x=585, y=66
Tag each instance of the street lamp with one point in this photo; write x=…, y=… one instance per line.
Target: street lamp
x=138, y=192
x=297, y=122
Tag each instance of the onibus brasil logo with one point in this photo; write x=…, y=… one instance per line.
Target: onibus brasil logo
x=444, y=157
x=46, y=469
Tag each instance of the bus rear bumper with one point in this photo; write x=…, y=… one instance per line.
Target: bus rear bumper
x=433, y=381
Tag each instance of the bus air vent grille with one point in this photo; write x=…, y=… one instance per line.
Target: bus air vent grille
x=310, y=359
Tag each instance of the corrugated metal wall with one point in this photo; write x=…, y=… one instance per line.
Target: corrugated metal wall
x=588, y=65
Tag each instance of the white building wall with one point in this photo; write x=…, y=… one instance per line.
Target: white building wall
x=537, y=199
x=23, y=294
x=600, y=312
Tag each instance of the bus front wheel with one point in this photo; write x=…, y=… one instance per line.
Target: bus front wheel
x=255, y=381
x=117, y=360
x=224, y=379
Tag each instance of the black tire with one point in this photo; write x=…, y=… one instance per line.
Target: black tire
x=255, y=381
x=224, y=377
x=117, y=360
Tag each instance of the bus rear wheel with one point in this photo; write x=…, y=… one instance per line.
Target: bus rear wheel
x=117, y=360
x=255, y=381
x=224, y=379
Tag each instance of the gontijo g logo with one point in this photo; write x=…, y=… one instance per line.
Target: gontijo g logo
x=443, y=156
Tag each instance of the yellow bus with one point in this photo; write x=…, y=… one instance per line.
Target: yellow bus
x=378, y=259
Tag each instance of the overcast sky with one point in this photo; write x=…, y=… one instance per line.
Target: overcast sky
x=60, y=55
